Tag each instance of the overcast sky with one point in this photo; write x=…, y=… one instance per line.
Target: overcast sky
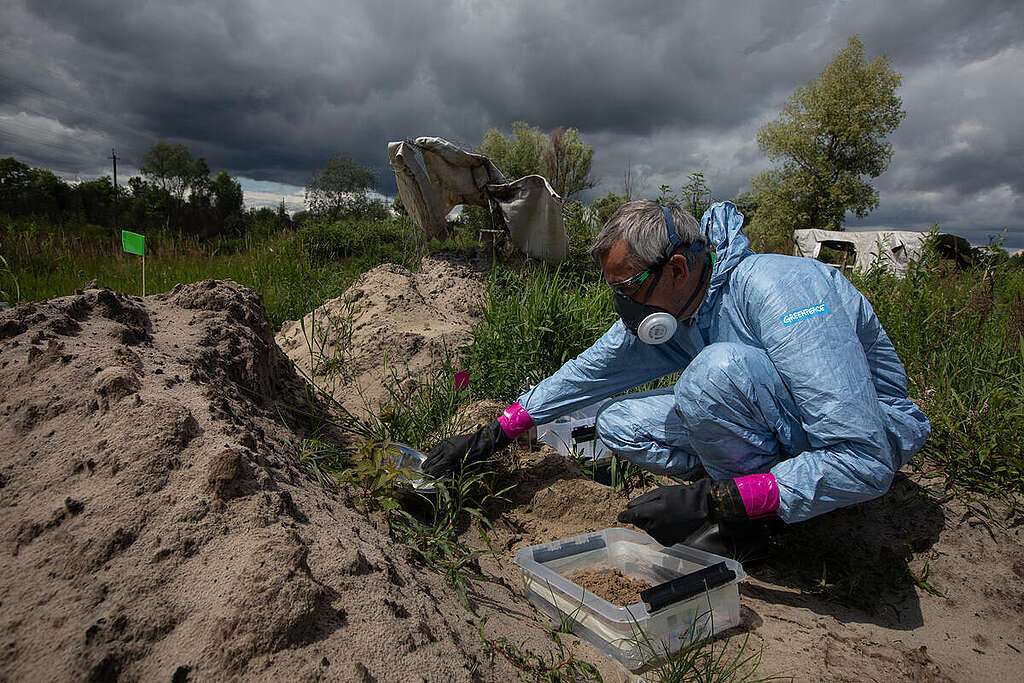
x=268, y=90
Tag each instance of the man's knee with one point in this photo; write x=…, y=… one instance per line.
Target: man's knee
x=614, y=425
x=719, y=369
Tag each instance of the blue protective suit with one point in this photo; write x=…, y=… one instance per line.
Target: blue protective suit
x=785, y=369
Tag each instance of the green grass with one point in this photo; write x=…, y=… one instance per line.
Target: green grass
x=288, y=269
x=704, y=659
x=960, y=336
x=534, y=320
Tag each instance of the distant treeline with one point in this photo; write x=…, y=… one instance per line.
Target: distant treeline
x=175, y=194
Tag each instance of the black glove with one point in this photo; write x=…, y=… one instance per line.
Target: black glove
x=475, y=446
x=671, y=513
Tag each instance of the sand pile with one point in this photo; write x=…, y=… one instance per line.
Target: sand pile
x=155, y=525
x=391, y=321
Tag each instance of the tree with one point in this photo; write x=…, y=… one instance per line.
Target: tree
x=567, y=162
x=170, y=166
x=607, y=205
x=830, y=136
x=696, y=195
x=200, y=186
x=227, y=196
x=339, y=187
x=519, y=155
x=560, y=156
x=747, y=203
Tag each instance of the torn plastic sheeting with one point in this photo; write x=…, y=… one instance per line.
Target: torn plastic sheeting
x=434, y=176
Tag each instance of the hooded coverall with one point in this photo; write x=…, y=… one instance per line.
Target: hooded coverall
x=785, y=369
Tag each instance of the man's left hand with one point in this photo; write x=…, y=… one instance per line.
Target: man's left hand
x=672, y=513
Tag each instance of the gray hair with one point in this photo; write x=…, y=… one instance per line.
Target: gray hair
x=641, y=225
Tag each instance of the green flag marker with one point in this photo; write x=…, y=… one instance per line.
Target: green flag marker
x=133, y=243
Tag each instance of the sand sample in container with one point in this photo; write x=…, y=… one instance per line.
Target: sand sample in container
x=611, y=585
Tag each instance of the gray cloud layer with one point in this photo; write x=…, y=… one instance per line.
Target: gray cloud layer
x=269, y=90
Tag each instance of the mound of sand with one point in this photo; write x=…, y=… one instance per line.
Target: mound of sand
x=391, y=323
x=154, y=522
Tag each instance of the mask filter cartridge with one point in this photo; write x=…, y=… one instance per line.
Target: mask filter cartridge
x=657, y=328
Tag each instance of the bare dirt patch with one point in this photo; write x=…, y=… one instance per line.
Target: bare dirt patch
x=155, y=524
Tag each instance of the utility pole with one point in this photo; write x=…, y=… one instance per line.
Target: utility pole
x=113, y=158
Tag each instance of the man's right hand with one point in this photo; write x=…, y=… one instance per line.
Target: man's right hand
x=471, y=447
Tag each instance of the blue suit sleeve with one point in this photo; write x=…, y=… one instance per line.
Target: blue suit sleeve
x=806, y=316
x=616, y=362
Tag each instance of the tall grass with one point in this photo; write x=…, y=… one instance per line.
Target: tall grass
x=289, y=269
x=534, y=321
x=960, y=335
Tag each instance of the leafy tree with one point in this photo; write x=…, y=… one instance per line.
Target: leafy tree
x=560, y=156
x=27, y=191
x=747, y=204
x=170, y=166
x=696, y=197
x=340, y=187
x=519, y=155
x=200, y=186
x=15, y=184
x=227, y=197
x=830, y=137
x=567, y=162
x=608, y=204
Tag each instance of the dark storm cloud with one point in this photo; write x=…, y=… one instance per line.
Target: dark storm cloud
x=269, y=90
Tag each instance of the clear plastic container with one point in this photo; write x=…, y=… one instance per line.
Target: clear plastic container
x=644, y=631
x=559, y=434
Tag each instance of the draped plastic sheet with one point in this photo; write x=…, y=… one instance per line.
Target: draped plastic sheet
x=434, y=176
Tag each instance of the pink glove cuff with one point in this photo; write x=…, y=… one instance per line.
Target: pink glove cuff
x=760, y=494
x=515, y=421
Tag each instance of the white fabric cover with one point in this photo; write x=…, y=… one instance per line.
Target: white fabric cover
x=434, y=176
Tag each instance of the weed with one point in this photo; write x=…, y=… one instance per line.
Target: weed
x=701, y=659
x=5, y=295
x=921, y=580
x=958, y=335
x=533, y=322
x=565, y=619
x=375, y=477
x=560, y=667
x=435, y=542
x=324, y=461
x=419, y=410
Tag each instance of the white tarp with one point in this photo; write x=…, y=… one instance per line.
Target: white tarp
x=892, y=248
x=434, y=176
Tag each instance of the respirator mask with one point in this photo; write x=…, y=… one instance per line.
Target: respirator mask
x=654, y=324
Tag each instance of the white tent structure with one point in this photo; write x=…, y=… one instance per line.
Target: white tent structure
x=893, y=249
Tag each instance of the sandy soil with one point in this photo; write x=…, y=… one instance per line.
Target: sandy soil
x=156, y=524
x=391, y=324
x=610, y=584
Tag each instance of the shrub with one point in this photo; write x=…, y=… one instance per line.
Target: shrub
x=326, y=240
x=960, y=335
